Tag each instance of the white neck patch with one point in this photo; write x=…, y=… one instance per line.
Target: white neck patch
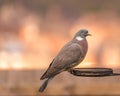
x=79, y=38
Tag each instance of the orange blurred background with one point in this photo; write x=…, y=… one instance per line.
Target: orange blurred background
x=33, y=31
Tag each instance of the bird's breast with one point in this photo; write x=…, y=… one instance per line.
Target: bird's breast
x=84, y=46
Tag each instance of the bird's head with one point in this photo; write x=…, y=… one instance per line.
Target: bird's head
x=81, y=34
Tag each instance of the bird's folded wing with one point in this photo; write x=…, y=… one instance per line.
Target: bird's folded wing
x=68, y=55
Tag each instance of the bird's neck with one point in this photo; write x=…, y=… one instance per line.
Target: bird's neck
x=82, y=42
x=78, y=38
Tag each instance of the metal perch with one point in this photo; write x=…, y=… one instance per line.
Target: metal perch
x=93, y=72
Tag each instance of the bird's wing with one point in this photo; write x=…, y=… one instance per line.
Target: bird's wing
x=46, y=71
x=66, y=58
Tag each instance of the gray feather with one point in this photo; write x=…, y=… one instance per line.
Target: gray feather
x=44, y=85
x=66, y=58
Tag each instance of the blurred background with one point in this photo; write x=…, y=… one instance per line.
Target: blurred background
x=33, y=31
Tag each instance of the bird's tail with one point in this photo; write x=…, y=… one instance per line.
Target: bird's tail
x=44, y=85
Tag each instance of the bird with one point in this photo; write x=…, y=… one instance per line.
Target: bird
x=68, y=57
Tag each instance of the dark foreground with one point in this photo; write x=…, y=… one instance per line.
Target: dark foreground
x=27, y=83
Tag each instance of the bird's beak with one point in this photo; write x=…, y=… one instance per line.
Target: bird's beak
x=89, y=35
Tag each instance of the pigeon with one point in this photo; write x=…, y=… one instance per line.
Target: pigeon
x=72, y=54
